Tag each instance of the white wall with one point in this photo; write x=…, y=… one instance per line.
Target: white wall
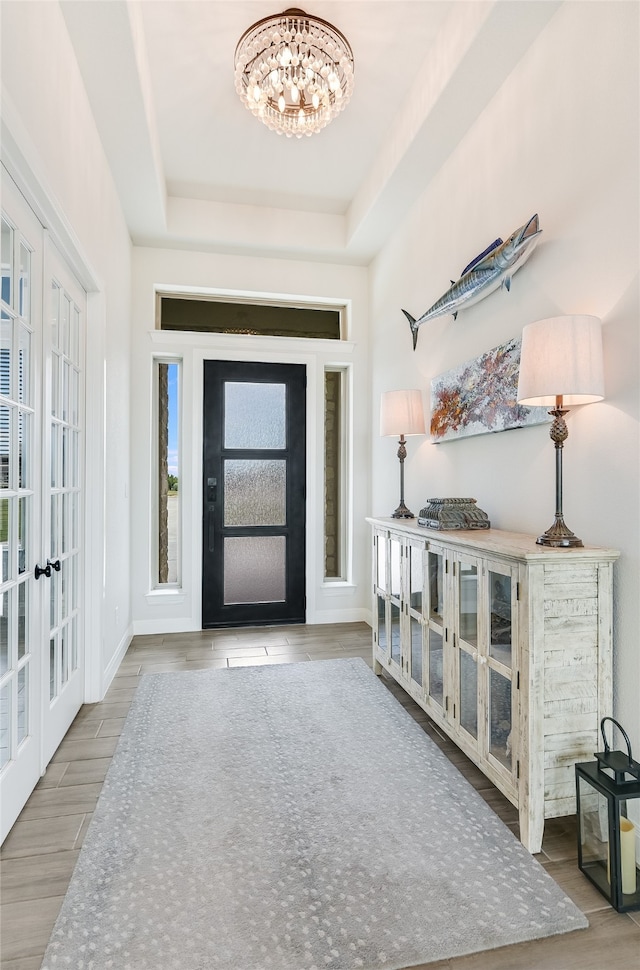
x=180, y=610
x=52, y=147
x=560, y=138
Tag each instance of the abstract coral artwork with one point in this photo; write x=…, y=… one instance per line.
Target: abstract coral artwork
x=479, y=396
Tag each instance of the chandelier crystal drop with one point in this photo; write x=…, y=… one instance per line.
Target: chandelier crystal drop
x=294, y=72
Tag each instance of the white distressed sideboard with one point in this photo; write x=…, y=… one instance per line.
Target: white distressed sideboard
x=507, y=645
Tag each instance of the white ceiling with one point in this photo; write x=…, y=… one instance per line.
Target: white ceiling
x=193, y=167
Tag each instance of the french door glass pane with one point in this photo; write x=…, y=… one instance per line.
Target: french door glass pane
x=468, y=693
x=24, y=366
x=24, y=441
x=5, y=446
x=416, y=650
x=6, y=346
x=23, y=617
x=7, y=262
x=24, y=295
x=255, y=492
x=5, y=724
x=52, y=669
x=23, y=703
x=4, y=538
x=254, y=415
x=5, y=628
x=500, y=718
x=435, y=667
x=24, y=513
x=254, y=569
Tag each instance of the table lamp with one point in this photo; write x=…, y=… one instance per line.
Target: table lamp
x=401, y=414
x=560, y=364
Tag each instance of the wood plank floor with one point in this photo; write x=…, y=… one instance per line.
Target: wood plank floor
x=40, y=852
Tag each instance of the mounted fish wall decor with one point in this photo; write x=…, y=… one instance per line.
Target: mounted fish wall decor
x=493, y=268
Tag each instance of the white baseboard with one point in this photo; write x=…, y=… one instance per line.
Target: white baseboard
x=145, y=628
x=112, y=667
x=356, y=615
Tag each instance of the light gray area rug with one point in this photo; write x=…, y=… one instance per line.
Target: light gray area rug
x=291, y=817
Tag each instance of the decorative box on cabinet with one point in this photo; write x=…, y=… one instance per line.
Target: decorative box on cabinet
x=507, y=646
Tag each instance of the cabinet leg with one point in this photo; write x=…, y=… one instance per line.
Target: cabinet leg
x=377, y=667
x=531, y=831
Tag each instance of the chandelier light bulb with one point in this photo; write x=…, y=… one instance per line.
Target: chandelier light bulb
x=294, y=72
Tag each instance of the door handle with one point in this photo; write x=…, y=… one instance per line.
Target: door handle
x=54, y=565
x=212, y=489
x=210, y=527
x=43, y=570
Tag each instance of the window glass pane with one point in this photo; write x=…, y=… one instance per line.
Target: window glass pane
x=54, y=455
x=5, y=627
x=254, y=569
x=254, y=415
x=6, y=343
x=332, y=474
x=64, y=656
x=73, y=634
x=74, y=349
x=53, y=598
x=7, y=261
x=55, y=385
x=65, y=314
x=54, y=527
x=168, y=378
x=214, y=316
x=65, y=390
x=23, y=703
x=255, y=493
x=24, y=366
x=5, y=446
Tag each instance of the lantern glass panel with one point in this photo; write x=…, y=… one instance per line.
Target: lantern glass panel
x=594, y=835
x=629, y=875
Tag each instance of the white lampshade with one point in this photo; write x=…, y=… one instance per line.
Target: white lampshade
x=561, y=356
x=401, y=413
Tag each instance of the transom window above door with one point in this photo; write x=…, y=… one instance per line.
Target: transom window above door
x=215, y=316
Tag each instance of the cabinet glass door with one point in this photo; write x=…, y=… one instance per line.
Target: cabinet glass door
x=396, y=646
x=381, y=563
x=381, y=621
x=467, y=610
x=416, y=652
x=435, y=628
x=416, y=577
x=500, y=596
x=395, y=548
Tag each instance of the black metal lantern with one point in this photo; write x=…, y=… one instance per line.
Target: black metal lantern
x=606, y=836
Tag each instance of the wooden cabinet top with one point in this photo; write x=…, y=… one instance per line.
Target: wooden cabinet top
x=495, y=542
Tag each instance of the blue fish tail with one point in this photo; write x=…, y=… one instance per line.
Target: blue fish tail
x=414, y=329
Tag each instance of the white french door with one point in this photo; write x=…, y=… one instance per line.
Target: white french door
x=42, y=315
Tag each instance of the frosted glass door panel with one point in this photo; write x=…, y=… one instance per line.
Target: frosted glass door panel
x=255, y=492
x=254, y=569
x=254, y=415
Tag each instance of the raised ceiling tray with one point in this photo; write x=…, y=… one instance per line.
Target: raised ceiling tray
x=453, y=513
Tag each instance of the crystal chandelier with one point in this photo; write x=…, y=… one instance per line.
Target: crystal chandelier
x=294, y=72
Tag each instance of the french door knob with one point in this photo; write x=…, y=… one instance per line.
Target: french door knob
x=43, y=571
x=54, y=565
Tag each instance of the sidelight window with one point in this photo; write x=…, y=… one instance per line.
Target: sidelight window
x=167, y=381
